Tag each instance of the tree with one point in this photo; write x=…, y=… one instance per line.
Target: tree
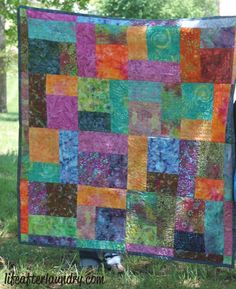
x=157, y=9
x=8, y=31
x=3, y=80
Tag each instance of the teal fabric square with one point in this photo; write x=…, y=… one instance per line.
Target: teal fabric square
x=58, y=31
x=197, y=100
x=163, y=43
x=44, y=172
x=214, y=227
x=119, y=106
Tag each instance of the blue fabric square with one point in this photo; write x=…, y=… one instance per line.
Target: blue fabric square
x=189, y=242
x=163, y=155
x=110, y=224
x=69, y=157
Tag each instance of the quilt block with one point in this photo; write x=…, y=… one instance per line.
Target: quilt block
x=126, y=134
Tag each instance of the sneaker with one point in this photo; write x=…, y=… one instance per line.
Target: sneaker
x=118, y=268
x=113, y=262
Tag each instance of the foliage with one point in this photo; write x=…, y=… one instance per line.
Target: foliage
x=8, y=9
x=157, y=9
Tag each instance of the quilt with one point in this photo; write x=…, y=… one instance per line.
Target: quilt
x=126, y=139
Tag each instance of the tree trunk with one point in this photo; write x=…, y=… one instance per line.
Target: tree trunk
x=3, y=73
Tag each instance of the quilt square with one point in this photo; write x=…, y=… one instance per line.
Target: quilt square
x=37, y=197
x=144, y=118
x=219, y=70
x=49, y=54
x=61, y=200
x=61, y=85
x=86, y=216
x=161, y=152
x=94, y=121
x=37, y=101
x=217, y=37
x=190, y=215
x=110, y=34
x=162, y=183
x=62, y=112
x=68, y=65
x=93, y=95
x=112, y=61
x=213, y=168
x=126, y=135
x=137, y=45
x=110, y=224
x=163, y=43
x=198, y=98
x=43, y=146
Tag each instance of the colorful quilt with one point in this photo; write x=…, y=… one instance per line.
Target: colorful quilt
x=126, y=134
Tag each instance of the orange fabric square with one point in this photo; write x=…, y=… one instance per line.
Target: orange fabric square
x=209, y=189
x=24, y=207
x=190, y=62
x=43, y=145
x=61, y=85
x=137, y=163
x=102, y=197
x=220, y=111
x=112, y=61
x=196, y=129
x=137, y=44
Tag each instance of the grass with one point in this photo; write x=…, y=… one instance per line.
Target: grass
x=22, y=259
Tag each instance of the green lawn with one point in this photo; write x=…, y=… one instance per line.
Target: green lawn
x=141, y=272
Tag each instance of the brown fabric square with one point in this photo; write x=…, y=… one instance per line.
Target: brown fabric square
x=61, y=200
x=162, y=183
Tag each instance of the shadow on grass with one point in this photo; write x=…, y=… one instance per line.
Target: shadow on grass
x=10, y=116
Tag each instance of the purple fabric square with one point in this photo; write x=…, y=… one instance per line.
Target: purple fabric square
x=62, y=112
x=118, y=171
x=37, y=199
x=94, y=169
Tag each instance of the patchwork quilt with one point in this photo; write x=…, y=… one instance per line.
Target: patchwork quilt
x=126, y=134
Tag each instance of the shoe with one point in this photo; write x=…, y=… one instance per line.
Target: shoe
x=113, y=262
x=118, y=268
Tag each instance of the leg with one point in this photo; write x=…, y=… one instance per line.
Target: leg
x=89, y=258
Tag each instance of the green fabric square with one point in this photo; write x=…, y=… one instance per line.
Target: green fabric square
x=228, y=260
x=52, y=226
x=110, y=34
x=171, y=102
x=93, y=95
x=140, y=231
x=211, y=160
x=143, y=206
x=24, y=238
x=166, y=206
x=101, y=244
